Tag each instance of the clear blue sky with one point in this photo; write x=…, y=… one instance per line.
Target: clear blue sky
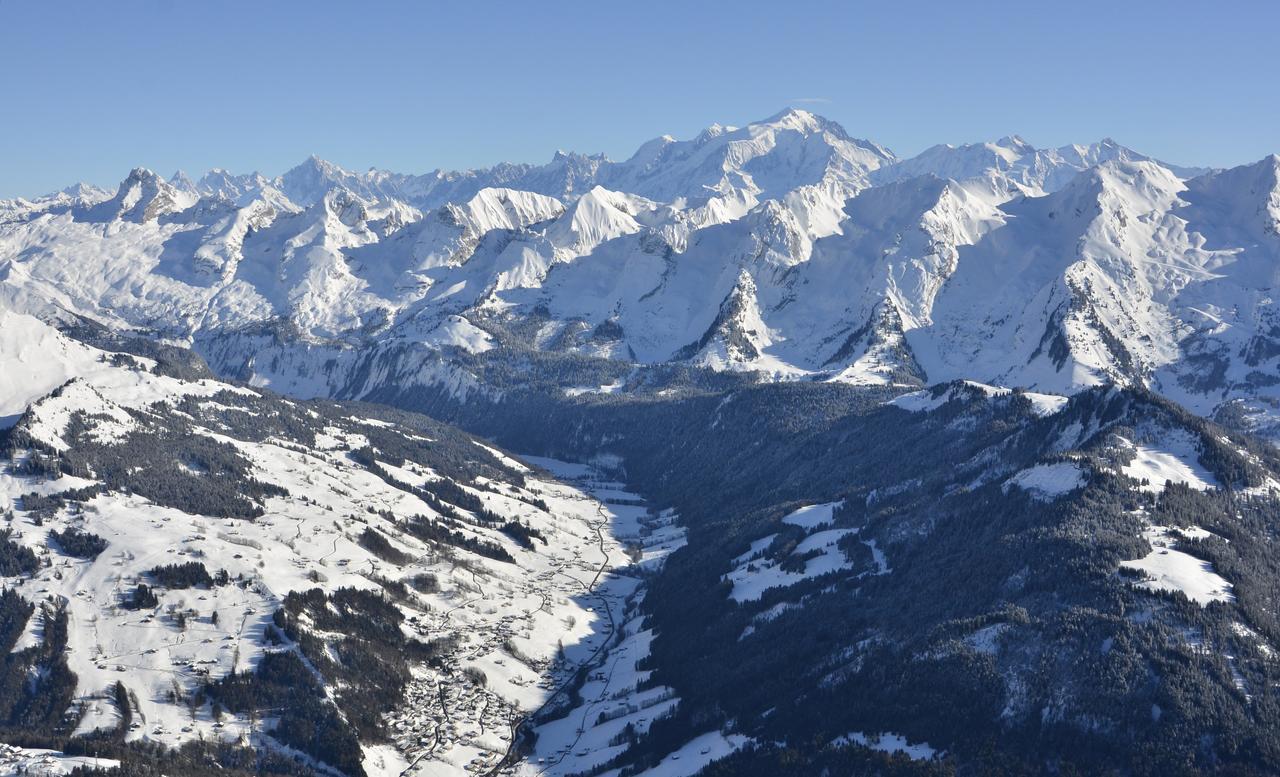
x=91, y=89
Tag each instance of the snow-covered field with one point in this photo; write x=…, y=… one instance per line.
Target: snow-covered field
x=890, y=743
x=813, y=516
x=924, y=401
x=1173, y=457
x=30, y=762
x=753, y=573
x=1169, y=569
x=1049, y=481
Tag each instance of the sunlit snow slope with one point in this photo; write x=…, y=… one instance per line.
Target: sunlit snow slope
x=172, y=533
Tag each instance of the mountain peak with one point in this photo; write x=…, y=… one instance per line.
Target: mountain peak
x=309, y=181
x=1015, y=142
x=714, y=131
x=801, y=120
x=790, y=113
x=1250, y=192
x=347, y=207
x=86, y=191
x=140, y=175
x=142, y=196
x=1142, y=178
x=314, y=162
x=182, y=181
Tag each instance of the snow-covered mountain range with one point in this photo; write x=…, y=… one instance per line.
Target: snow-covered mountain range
x=214, y=562
x=786, y=248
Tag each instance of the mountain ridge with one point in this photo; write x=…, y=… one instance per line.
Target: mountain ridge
x=830, y=228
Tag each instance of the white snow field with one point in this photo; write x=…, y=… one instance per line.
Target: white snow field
x=753, y=574
x=813, y=517
x=33, y=762
x=890, y=743
x=1173, y=456
x=696, y=754
x=1049, y=481
x=924, y=401
x=36, y=360
x=1169, y=569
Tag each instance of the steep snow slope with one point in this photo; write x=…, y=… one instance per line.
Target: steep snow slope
x=143, y=196
x=1011, y=166
x=764, y=160
x=1074, y=291
x=494, y=581
x=37, y=359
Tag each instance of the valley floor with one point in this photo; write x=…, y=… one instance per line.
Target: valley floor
x=452, y=724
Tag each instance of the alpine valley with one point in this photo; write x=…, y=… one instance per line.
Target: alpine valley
x=765, y=452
